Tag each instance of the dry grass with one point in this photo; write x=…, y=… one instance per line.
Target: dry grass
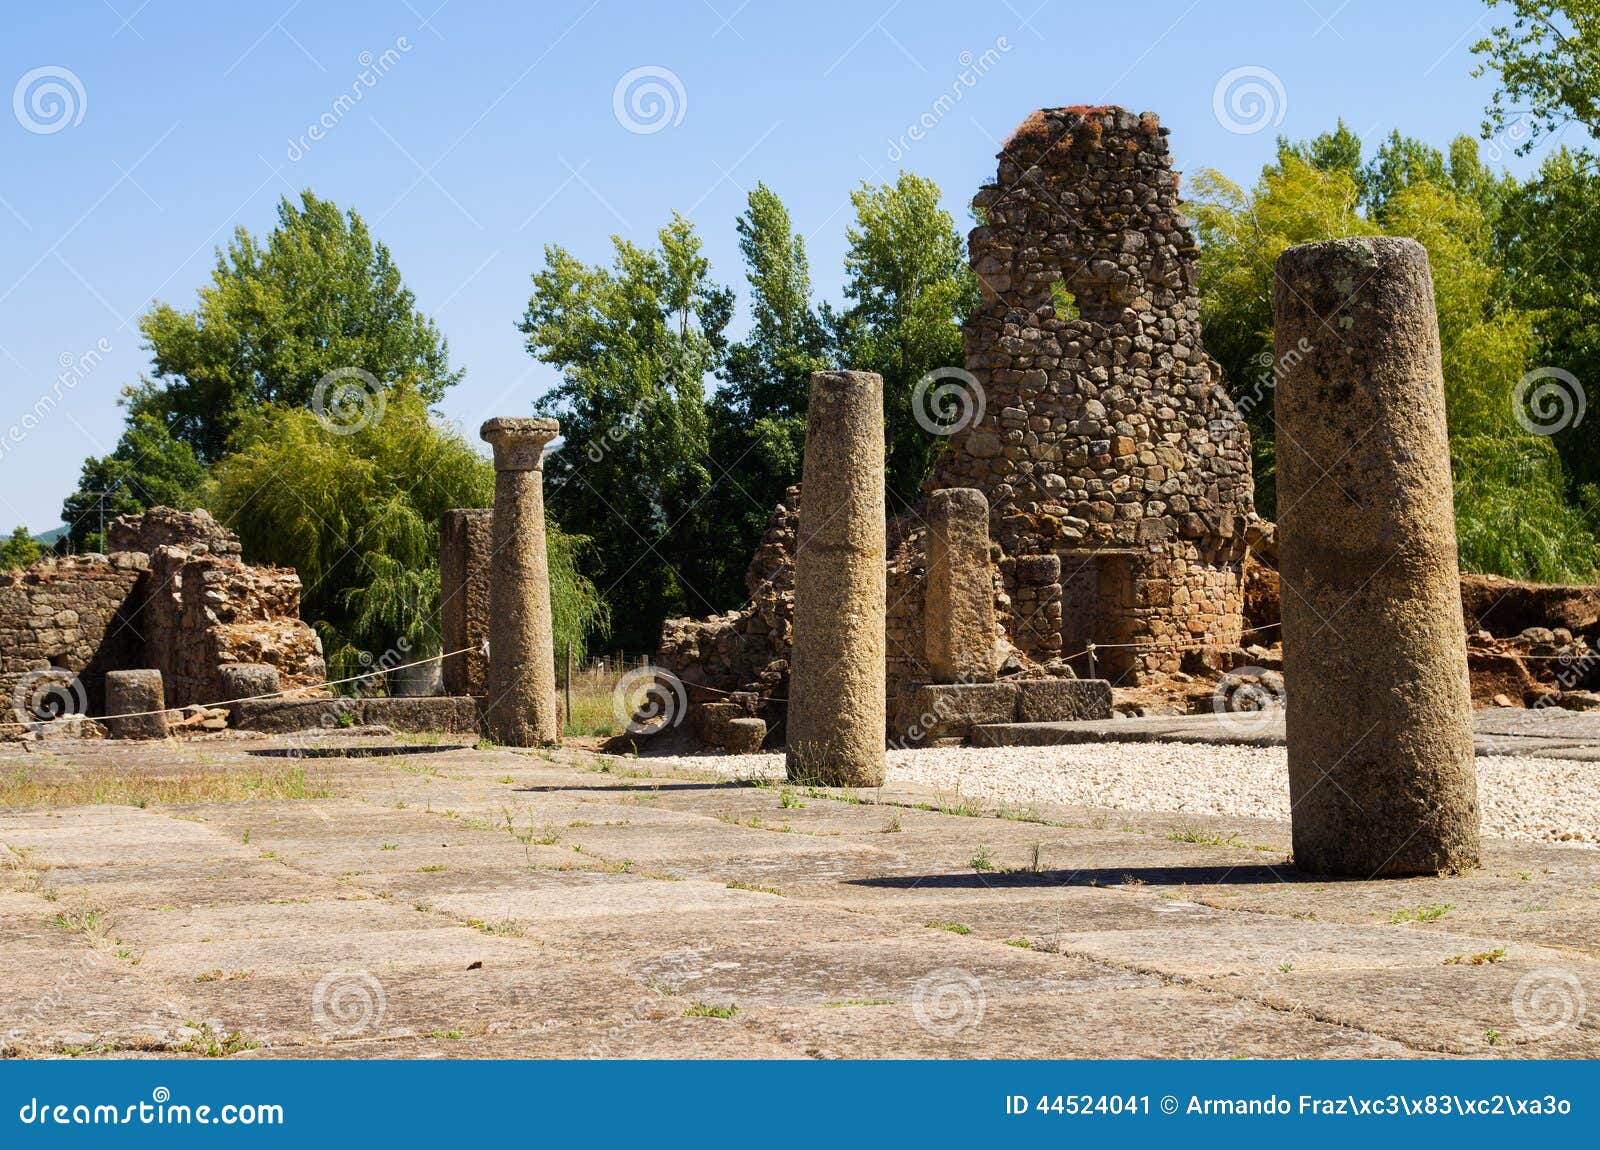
x=24, y=788
x=594, y=706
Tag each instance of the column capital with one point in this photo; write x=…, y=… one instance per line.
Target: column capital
x=518, y=442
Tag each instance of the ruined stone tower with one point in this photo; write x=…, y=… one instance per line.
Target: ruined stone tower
x=1105, y=437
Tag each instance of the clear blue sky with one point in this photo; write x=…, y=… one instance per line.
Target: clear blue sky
x=493, y=132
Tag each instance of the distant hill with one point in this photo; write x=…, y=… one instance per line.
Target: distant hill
x=49, y=538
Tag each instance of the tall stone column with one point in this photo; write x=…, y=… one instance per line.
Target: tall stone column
x=520, y=705
x=1381, y=774
x=466, y=547
x=958, y=609
x=837, y=721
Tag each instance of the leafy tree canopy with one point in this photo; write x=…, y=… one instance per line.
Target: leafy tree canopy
x=357, y=516
x=1548, y=60
x=317, y=295
x=634, y=342
x=19, y=550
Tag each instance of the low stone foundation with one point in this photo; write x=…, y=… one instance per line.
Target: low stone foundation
x=174, y=596
x=937, y=712
x=451, y=715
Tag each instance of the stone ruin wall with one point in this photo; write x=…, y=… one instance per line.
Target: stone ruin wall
x=1117, y=470
x=744, y=655
x=1106, y=438
x=78, y=613
x=173, y=595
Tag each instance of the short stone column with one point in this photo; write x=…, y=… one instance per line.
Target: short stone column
x=1381, y=774
x=135, y=705
x=519, y=709
x=958, y=604
x=837, y=722
x=466, y=542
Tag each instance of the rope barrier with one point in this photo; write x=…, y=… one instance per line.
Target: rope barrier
x=274, y=694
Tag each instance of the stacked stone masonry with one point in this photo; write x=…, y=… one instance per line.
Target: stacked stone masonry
x=1116, y=469
x=1106, y=438
x=174, y=597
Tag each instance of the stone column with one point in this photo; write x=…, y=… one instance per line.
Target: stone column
x=958, y=614
x=466, y=543
x=1381, y=775
x=837, y=721
x=138, y=695
x=520, y=707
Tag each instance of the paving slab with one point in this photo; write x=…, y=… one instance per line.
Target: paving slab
x=453, y=902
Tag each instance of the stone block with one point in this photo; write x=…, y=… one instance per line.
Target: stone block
x=246, y=681
x=931, y=711
x=744, y=736
x=712, y=719
x=466, y=542
x=446, y=714
x=959, y=628
x=1062, y=700
x=135, y=705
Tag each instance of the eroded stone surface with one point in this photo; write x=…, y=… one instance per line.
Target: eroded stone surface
x=492, y=903
x=1380, y=720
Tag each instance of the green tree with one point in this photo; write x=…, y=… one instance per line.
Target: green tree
x=149, y=467
x=758, y=417
x=357, y=516
x=1548, y=62
x=1511, y=502
x=19, y=550
x=318, y=295
x=634, y=342
x=911, y=288
x=1550, y=236
x=1242, y=234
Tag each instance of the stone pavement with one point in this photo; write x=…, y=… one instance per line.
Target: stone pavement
x=436, y=900
x=1547, y=733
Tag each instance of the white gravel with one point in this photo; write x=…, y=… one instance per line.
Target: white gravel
x=1535, y=800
